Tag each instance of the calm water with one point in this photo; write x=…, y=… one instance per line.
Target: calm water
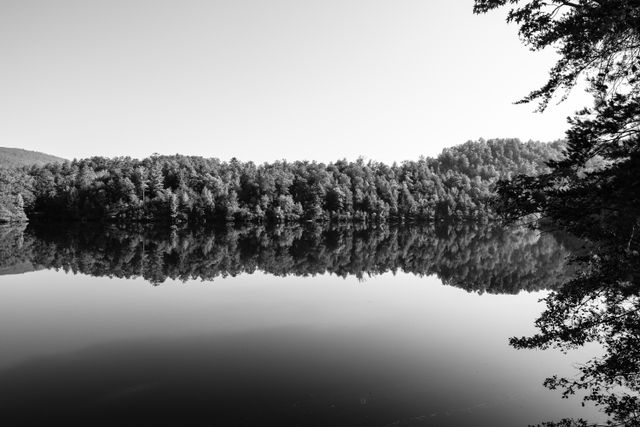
x=291, y=326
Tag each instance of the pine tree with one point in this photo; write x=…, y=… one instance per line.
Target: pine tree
x=156, y=179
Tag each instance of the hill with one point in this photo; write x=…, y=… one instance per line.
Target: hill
x=16, y=157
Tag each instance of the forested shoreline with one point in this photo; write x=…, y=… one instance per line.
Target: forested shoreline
x=459, y=184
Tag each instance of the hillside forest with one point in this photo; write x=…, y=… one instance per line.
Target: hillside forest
x=459, y=184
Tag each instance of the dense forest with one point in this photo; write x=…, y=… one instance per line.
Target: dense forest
x=458, y=184
x=475, y=257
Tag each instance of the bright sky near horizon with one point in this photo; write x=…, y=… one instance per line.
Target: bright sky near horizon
x=262, y=80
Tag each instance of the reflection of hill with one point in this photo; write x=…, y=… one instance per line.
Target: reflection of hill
x=475, y=258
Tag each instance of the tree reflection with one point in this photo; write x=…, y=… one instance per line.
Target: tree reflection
x=478, y=258
x=598, y=304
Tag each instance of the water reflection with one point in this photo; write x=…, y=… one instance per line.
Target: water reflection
x=271, y=348
x=479, y=258
x=265, y=350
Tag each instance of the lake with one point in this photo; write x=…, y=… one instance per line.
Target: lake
x=298, y=325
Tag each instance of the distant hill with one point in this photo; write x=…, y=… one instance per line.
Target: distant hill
x=16, y=157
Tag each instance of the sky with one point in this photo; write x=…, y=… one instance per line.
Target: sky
x=262, y=80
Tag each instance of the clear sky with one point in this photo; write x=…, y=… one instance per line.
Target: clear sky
x=261, y=80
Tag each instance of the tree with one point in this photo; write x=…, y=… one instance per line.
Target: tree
x=595, y=39
x=141, y=181
x=593, y=191
x=208, y=205
x=156, y=178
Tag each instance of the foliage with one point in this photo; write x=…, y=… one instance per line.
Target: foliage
x=13, y=184
x=592, y=192
x=459, y=184
x=595, y=39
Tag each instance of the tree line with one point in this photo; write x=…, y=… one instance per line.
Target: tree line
x=458, y=184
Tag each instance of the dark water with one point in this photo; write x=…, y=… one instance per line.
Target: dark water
x=397, y=326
